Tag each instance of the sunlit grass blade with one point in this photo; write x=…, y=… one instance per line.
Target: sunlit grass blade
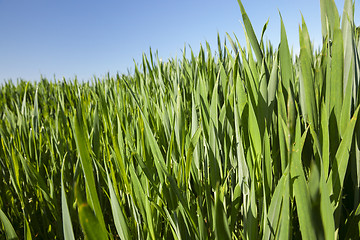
x=267, y=167
x=285, y=59
x=86, y=162
x=27, y=230
x=250, y=31
x=216, y=173
x=119, y=218
x=336, y=83
x=250, y=142
x=345, y=113
x=307, y=79
x=347, y=24
x=221, y=225
x=284, y=222
x=274, y=210
x=273, y=84
x=329, y=17
x=158, y=157
x=67, y=224
x=300, y=188
x=189, y=154
x=326, y=209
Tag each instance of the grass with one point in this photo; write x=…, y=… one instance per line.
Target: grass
x=241, y=144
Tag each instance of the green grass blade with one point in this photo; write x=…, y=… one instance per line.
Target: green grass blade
x=250, y=32
x=267, y=167
x=285, y=59
x=347, y=22
x=308, y=79
x=216, y=173
x=67, y=224
x=251, y=221
x=254, y=132
x=325, y=139
x=243, y=172
x=189, y=155
x=222, y=230
x=353, y=224
x=27, y=230
x=8, y=228
x=336, y=84
x=155, y=149
x=305, y=39
x=90, y=223
x=119, y=218
x=274, y=210
x=86, y=162
x=346, y=105
x=300, y=188
x=329, y=16
x=338, y=171
x=96, y=134
x=326, y=209
x=281, y=115
x=273, y=84
x=284, y=227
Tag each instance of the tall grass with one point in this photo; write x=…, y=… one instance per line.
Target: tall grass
x=243, y=144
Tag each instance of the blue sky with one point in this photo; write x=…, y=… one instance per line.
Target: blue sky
x=86, y=38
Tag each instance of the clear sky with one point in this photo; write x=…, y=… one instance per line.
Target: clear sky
x=86, y=38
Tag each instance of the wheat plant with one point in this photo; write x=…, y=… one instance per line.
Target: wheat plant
x=249, y=142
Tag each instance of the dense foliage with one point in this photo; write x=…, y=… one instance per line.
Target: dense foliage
x=249, y=143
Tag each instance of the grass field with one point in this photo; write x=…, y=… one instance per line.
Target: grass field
x=251, y=142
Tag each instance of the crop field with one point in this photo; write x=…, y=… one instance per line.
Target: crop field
x=245, y=142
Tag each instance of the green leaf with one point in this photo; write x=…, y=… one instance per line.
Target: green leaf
x=222, y=230
x=27, y=230
x=250, y=219
x=9, y=229
x=284, y=227
x=352, y=224
x=274, y=210
x=285, y=59
x=325, y=140
x=250, y=32
x=336, y=82
x=329, y=17
x=119, y=218
x=243, y=172
x=90, y=224
x=346, y=105
x=96, y=134
x=347, y=22
x=281, y=115
x=300, y=188
x=326, y=209
x=273, y=84
x=307, y=78
x=305, y=39
x=254, y=132
x=267, y=166
x=155, y=149
x=86, y=162
x=189, y=154
x=338, y=171
x=66, y=219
